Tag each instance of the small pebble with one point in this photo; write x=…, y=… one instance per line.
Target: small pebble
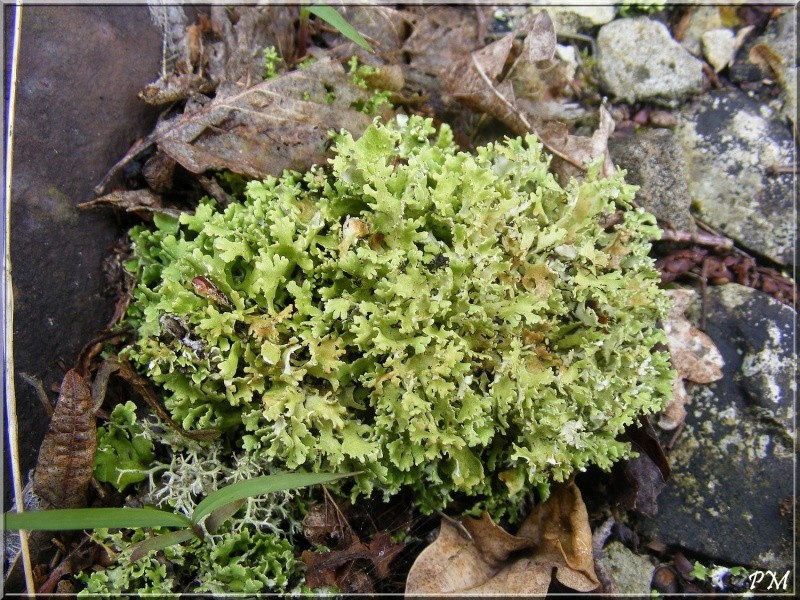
x=745, y=72
x=665, y=581
x=663, y=118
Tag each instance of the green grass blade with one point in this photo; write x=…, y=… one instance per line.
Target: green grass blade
x=64, y=519
x=332, y=17
x=159, y=542
x=218, y=517
x=258, y=486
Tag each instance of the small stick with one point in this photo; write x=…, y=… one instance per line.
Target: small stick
x=782, y=169
x=457, y=524
x=675, y=435
x=703, y=293
x=40, y=392
x=703, y=225
x=699, y=238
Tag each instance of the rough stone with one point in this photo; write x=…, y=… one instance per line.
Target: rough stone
x=639, y=60
x=702, y=19
x=719, y=47
x=576, y=19
x=654, y=162
x=632, y=573
x=80, y=69
x=781, y=37
x=732, y=465
x=730, y=148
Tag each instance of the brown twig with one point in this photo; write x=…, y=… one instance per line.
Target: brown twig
x=700, y=238
x=457, y=524
x=674, y=438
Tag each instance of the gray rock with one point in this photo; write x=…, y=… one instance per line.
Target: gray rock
x=732, y=466
x=719, y=47
x=632, y=573
x=702, y=19
x=80, y=69
x=781, y=37
x=638, y=60
x=731, y=144
x=654, y=162
x=575, y=19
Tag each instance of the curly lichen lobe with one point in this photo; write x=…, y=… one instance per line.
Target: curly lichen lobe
x=440, y=320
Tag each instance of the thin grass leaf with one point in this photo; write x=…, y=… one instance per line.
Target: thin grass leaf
x=332, y=17
x=258, y=486
x=64, y=519
x=222, y=514
x=159, y=542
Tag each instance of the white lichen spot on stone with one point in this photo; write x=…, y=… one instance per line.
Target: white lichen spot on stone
x=762, y=448
x=769, y=364
x=728, y=416
x=732, y=439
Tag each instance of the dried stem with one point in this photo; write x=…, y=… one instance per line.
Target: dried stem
x=700, y=238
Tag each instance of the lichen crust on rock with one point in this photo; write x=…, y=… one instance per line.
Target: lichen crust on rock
x=443, y=322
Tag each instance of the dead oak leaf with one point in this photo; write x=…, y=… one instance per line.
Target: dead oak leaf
x=333, y=568
x=693, y=353
x=279, y=124
x=142, y=203
x=639, y=480
x=476, y=82
x=555, y=535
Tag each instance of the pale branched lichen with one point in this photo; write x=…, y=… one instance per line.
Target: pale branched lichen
x=447, y=322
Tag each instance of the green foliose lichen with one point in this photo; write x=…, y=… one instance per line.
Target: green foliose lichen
x=245, y=562
x=447, y=322
x=124, y=452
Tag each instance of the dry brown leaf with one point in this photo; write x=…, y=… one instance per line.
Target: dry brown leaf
x=441, y=36
x=473, y=81
x=675, y=413
x=66, y=457
x=694, y=355
x=560, y=529
x=581, y=150
x=555, y=535
x=640, y=480
x=540, y=43
x=223, y=52
x=335, y=567
x=269, y=127
x=382, y=26
x=143, y=203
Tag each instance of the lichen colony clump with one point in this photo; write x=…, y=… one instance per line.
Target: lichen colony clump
x=442, y=322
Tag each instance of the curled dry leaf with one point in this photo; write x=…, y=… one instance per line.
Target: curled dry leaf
x=282, y=123
x=540, y=42
x=693, y=354
x=142, y=203
x=66, y=457
x=270, y=127
x=222, y=50
x=580, y=150
x=335, y=568
x=555, y=535
x=474, y=80
x=640, y=479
